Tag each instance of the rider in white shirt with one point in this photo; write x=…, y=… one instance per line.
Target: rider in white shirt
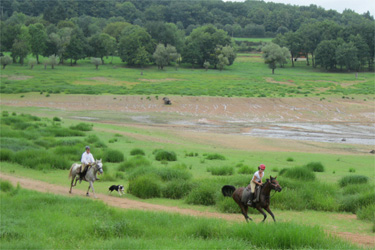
x=87, y=159
x=256, y=180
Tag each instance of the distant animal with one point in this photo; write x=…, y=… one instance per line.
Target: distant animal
x=90, y=176
x=118, y=188
x=264, y=198
x=167, y=101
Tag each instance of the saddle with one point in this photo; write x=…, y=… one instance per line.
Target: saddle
x=83, y=173
x=246, y=194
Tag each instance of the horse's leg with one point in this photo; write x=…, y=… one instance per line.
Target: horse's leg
x=87, y=194
x=262, y=212
x=244, y=211
x=92, y=188
x=75, y=184
x=270, y=212
x=71, y=186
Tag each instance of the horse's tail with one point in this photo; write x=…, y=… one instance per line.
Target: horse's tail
x=70, y=172
x=228, y=190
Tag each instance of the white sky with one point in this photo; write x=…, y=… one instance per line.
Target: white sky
x=359, y=6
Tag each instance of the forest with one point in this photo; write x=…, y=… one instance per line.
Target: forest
x=193, y=32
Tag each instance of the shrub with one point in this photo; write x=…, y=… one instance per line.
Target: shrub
x=177, y=189
x=113, y=155
x=300, y=173
x=168, y=174
x=202, y=195
x=315, y=166
x=163, y=155
x=137, y=151
x=356, y=188
x=215, y=157
x=6, y=186
x=366, y=213
x=113, y=140
x=353, y=179
x=82, y=127
x=56, y=119
x=246, y=170
x=351, y=203
x=6, y=154
x=221, y=170
x=351, y=170
x=92, y=139
x=289, y=159
x=227, y=205
x=137, y=161
x=139, y=171
x=275, y=169
x=120, y=176
x=107, y=177
x=145, y=186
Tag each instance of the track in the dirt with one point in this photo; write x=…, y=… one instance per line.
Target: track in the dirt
x=125, y=203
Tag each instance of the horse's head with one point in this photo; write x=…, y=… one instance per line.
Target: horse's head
x=99, y=166
x=274, y=184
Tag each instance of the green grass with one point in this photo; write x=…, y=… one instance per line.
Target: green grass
x=247, y=77
x=27, y=216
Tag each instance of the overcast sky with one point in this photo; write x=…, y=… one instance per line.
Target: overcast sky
x=359, y=6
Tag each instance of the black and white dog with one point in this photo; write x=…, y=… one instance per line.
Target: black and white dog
x=118, y=188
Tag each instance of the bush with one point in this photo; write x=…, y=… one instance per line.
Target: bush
x=137, y=161
x=202, y=195
x=299, y=173
x=163, y=155
x=353, y=179
x=356, y=188
x=351, y=170
x=289, y=159
x=177, y=189
x=56, y=119
x=169, y=174
x=145, y=186
x=221, y=170
x=92, y=139
x=6, y=154
x=6, y=186
x=113, y=155
x=351, y=203
x=137, y=151
x=82, y=127
x=366, y=213
x=246, y=170
x=227, y=205
x=215, y=157
x=120, y=176
x=315, y=166
x=107, y=177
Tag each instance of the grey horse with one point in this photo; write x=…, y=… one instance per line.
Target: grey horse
x=89, y=177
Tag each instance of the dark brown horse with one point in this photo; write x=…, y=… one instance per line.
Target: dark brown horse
x=264, y=197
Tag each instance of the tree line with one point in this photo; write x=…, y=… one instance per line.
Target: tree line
x=156, y=42
x=239, y=19
x=332, y=46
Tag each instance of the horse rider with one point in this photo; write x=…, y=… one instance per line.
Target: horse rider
x=256, y=181
x=87, y=159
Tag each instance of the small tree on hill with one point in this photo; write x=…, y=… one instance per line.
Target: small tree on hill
x=96, y=61
x=5, y=60
x=141, y=58
x=53, y=60
x=206, y=65
x=273, y=54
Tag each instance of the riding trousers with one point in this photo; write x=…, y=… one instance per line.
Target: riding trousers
x=252, y=185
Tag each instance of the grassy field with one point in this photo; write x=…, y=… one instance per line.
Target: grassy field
x=28, y=217
x=247, y=77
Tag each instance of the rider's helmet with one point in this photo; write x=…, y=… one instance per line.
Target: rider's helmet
x=262, y=166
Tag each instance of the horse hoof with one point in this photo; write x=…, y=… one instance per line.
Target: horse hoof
x=87, y=195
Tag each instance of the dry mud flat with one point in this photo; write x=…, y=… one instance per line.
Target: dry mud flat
x=334, y=119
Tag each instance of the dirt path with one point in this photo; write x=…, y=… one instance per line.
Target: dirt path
x=363, y=240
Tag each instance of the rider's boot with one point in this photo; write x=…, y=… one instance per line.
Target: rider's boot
x=250, y=201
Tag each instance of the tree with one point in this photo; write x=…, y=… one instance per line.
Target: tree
x=133, y=38
x=291, y=40
x=32, y=62
x=325, y=54
x=142, y=57
x=76, y=48
x=5, y=60
x=201, y=44
x=273, y=54
x=96, y=62
x=166, y=33
x=53, y=60
x=346, y=55
x=222, y=61
x=115, y=29
x=206, y=65
x=254, y=30
x=20, y=49
x=363, y=51
x=38, y=38
x=101, y=45
x=164, y=55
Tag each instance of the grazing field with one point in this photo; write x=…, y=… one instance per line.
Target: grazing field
x=219, y=128
x=76, y=222
x=247, y=77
